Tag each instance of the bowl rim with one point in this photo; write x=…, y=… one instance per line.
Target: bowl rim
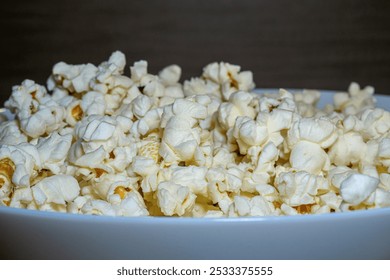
x=306, y=218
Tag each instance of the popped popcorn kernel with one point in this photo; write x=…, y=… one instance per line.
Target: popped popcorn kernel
x=150, y=147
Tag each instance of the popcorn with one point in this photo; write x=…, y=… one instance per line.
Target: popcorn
x=26, y=96
x=225, y=78
x=148, y=123
x=36, y=111
x=126, y=200
x=255, y=206
x=132, y=206
x=53, y=151
x=111, y=83
x=192, y=177
x=315, y=130
x=376, y=122
x=275, y=115
x=74, y=113
x=75, y=206
x=309, y=157
x=249, y=133
x=121, y=157
x=170, y=75
x=149, y=147
x=181, y=137
x=338, y=174
x=357, y=187
x=355, y=100
x=57, y=189
x=198, y=86
x=139, y=70
x=20, y=198
x=349, y=148
x=99, y=142
x=73, y=78
x=92, y=103
x=48, y=118
x=18, y=163
x=141, y=105
x=306, y=102
x=174, y=199
x=179, y=141
x=144, y=166
x=239, y=105
x=98, y=207
x=382, y=198
x=7, y=169
x=383, y=154
x=10, y=133
x=96, y=131
x=332, y=200
x=299, y=188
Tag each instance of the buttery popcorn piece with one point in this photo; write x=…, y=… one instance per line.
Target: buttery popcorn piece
x=57, y=189
x=357, y=187
x=174, y=199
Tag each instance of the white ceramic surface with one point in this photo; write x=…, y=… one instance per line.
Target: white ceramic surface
x=28, y=234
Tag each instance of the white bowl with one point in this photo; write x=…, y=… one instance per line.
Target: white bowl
x=29, y=234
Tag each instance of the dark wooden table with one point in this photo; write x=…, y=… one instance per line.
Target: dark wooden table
x=311, y=44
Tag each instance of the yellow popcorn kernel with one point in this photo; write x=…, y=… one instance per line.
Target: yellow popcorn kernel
x=7, y=202
x=41, y=175
x=304, y=208
x=77, y=113
x=2, y=182
x=78, y=95
x=233, y=82
x=7, y=168
x=33, y=94
x=121, y=191
x=99, y=172
x=277, y=204
x=153, y=208
x=58, y=79
x=381, y=169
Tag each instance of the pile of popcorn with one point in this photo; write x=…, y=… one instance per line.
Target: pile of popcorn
x=95, y=141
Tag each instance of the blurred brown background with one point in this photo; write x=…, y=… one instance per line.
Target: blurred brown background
x=312, y=44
